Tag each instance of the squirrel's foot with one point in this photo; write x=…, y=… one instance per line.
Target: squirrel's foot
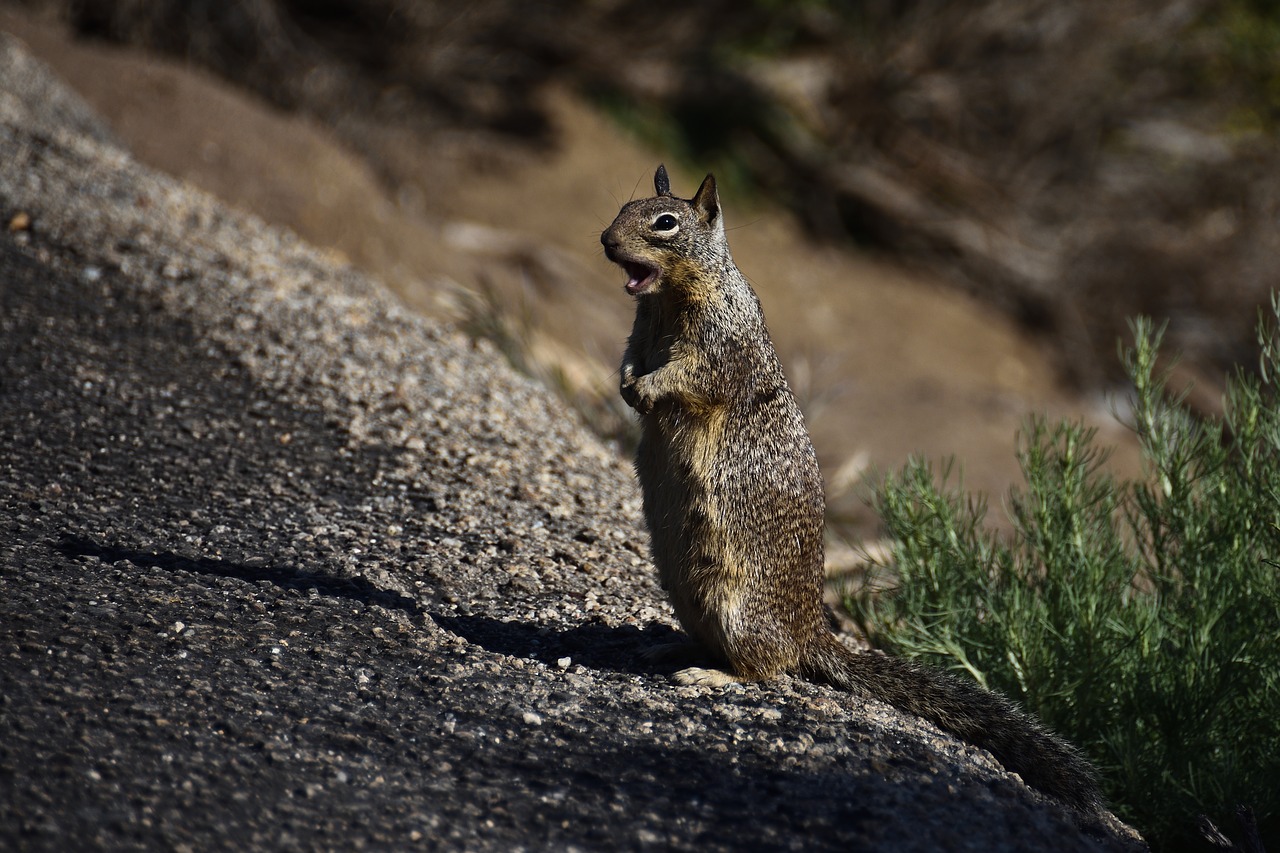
x=696, y=675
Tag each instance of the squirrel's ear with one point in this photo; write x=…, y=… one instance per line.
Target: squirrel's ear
x=661, y=183
x=707, y=200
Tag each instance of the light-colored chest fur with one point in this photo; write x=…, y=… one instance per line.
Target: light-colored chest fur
x=681, y=466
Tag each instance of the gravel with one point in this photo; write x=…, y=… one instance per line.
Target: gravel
x=283, y=566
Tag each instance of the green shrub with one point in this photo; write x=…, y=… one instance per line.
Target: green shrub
x=1240, y=53
x=1139, y=619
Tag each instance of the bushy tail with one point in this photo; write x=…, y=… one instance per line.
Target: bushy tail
x=980, y=717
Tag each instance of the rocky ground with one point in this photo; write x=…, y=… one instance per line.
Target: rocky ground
x=284, y=566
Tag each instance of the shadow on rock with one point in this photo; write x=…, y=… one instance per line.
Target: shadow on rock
x=355, y=589
x=615, y=648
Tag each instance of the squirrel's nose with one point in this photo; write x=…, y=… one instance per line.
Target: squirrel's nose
x=607, y=241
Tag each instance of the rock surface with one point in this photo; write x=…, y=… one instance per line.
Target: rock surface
x=285, y=566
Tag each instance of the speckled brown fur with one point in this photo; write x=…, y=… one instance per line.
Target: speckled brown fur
x=734, y=500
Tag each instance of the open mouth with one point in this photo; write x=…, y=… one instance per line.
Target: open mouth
x=640, y=276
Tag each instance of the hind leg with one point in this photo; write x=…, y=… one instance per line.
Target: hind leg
x=750, y=658
x=693, y=663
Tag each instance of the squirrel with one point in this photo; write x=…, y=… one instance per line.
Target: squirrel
x=734, y=501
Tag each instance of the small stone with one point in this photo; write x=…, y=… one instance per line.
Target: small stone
x=21, y=221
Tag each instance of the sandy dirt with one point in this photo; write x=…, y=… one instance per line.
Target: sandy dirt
x=886, y=361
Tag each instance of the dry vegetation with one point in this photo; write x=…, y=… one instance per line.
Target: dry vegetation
x=1074, y=164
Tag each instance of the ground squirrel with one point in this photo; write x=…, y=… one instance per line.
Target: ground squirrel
x=734, y=500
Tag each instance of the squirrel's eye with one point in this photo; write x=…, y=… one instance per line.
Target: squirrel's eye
x=665, y=222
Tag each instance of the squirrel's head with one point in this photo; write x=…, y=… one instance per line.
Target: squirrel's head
x=667, y=243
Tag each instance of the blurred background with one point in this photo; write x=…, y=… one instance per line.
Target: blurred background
x=950, y=210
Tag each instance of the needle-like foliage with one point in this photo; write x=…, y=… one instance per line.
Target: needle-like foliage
x=1141, y=620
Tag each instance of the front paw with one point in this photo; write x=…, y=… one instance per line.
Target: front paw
x=634, y=397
